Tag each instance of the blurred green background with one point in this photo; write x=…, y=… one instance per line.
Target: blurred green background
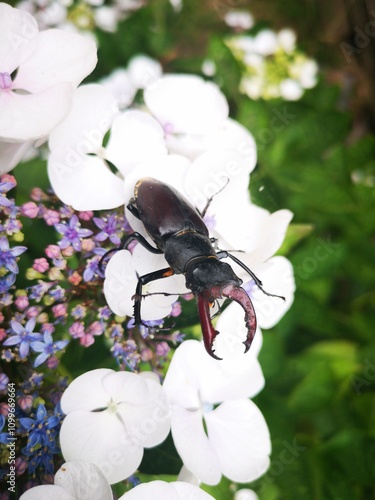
x=319, y=361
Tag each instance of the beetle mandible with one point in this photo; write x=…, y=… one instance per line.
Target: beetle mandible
x=179, y=232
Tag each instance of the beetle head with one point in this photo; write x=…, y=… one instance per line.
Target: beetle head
x=212, y=279
x=208, y=274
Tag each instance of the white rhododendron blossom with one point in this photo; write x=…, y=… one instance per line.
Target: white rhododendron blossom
x=167, y=491
x=111, y=417
x=204, y=394
x=75, y=480
x=38, y=74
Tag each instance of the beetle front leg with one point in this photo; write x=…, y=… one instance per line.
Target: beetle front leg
x=143, y=280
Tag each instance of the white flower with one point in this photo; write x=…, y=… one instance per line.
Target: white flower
x=239, y=19
x=166, y=491
x=245, y=494
x=121, y=278
x=120, y=86
x=75, y=480
x=144, y=70
x=237, y=442
x=287, y=39
x=290, y=90
x=186, y=104
x=110, y=417
x=49, y=65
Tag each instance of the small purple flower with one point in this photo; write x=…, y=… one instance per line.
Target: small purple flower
x=47, y=348
x=4, y=188
x=24, y=336
x=91, y=269
x=72, y=233
x=6, y=282
x=109, y=229
x=78, y=312
x=39, y=428
x=8, y=255
x=4, y=379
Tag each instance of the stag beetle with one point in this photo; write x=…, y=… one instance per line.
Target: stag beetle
x=178, y=231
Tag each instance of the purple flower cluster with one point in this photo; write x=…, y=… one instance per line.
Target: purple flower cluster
x=63, y=304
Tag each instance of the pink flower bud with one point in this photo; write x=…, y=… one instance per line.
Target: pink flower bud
x=51, y=217
x=88, y=245
x=77, y=330
x=52, y=362
x=87, y=340
x=75, y=279
x=86, y=215
x=162, y=349
x=59, y=310
x=53, y=252
x=22, y=302
x=25, y=402
x=41, y=265
x=30, y=209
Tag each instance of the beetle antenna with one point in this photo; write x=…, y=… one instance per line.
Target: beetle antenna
x=209, y=200
x=223, y=253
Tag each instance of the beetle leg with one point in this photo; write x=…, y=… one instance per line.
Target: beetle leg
x=143, y=280
x=124, y=244
x=209, y=332
x=222, y=254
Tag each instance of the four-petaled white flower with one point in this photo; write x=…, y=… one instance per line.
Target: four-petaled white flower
x=111, y=417
x=75, y=480
x=38, y=74
x=204, y=394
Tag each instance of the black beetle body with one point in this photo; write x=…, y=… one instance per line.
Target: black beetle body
x=179, y=232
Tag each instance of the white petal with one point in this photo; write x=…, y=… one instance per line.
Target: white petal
x=265, y=42
x=86, y=392
x=31, y=116
x=223, y=175
x=240, y=437
x=193, y=445
x=260, y=237
x=83, y=480
x=277, y=278
x=46, y=492
x=121, y=281
x=18, y=37
x=186, y=104
x=60, y=56
x=194, y=375
x=130, y=132
x=120, y=86
x=147, y=421
x=84, y=182
x=100, y=438
x=11, y=153
x=144, y=70
x=230, y=136
x=166, y=491
x=89, y=119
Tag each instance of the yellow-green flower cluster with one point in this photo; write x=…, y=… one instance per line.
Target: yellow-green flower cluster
x=272, y=66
